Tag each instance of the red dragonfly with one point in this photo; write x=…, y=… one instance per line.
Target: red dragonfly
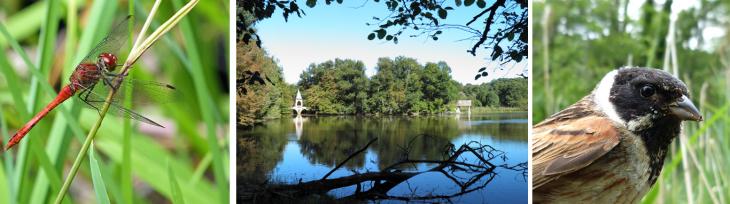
x=92, y=80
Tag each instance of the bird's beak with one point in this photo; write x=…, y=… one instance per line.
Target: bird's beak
x=684, y=109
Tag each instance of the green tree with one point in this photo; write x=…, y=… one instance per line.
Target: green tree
x=335, y=87
x=511, y=92
x=439, y=89
x=252, y=67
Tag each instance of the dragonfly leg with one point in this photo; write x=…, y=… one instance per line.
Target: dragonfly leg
x=85, y=98
x=112, y=76
x=107, y=81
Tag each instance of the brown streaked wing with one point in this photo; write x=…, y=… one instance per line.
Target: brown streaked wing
x=569, y=145
x=580, y=109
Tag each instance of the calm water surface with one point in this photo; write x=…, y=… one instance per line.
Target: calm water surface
x=291, y=150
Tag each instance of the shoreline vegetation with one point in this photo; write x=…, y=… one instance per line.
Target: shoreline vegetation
x=400, y=87
x=474, y=111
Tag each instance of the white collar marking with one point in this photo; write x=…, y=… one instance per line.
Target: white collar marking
x=602, y=94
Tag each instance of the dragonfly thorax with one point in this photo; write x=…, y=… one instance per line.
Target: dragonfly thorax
x=107, y=61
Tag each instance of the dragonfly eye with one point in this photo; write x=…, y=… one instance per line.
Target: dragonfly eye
x=109, y=60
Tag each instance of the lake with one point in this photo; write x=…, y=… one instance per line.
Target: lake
x=298, y=150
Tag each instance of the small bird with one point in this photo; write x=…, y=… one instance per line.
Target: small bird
x=610, y=146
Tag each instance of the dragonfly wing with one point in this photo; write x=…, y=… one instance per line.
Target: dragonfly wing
x=144, y=92
x=155, y=92
x=96, y=102
x=112, y=43
x=124, y=112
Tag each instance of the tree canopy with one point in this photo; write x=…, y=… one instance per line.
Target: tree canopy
x=400, y=86
x=504, y=32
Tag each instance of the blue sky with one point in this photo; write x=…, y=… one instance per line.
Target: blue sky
x=340, y=31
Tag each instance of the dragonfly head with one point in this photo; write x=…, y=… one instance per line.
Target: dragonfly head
x=108, y=60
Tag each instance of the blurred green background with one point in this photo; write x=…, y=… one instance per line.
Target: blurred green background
x=131, y=162
x=576, y=42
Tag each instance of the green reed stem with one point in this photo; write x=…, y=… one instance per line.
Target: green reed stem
x=80, y=156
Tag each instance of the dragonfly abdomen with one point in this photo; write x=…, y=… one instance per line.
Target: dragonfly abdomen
x=65, y=93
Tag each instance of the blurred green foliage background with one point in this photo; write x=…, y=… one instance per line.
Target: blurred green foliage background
x=576, y=42
x=131, y=162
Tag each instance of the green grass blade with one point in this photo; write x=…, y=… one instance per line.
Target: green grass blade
x=47, y=41
x=49, y=176
x=207, y=107
x=58, y=140
x=48, y=169
x=65, y=111
x=177, y=196
x=126, y=165
x=55, y=148
x=21, y=159
x=6, y=192
x=146, y=154
x=200, y=170
x=187, y=124
x=25, y=22
x=212, y=11
x=108, y=171
x=99, y=188
x=71, y=33
x=13, y=86
x=48, y=27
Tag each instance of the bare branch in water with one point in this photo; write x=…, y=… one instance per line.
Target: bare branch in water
x=376, y=185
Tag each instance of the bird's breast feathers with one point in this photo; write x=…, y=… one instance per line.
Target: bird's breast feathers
x=582, y=148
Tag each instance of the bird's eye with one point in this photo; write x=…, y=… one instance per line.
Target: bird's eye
x=646, y=91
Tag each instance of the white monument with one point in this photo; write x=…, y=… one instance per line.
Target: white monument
x=299, y=104
x=463, y=103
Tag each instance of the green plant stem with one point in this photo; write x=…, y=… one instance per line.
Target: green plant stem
x=126, y=166
x=81, y=155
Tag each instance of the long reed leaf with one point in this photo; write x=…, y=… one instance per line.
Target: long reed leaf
x=146, y=155
x=25, y=21
x=207, y=107
x=126, y=165
x=99, y=187
x=177, y=196
x=6, y=193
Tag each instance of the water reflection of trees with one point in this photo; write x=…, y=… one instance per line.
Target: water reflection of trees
x=259, y=150
x=503, y=126
x=328, y=140
x=468, y=174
